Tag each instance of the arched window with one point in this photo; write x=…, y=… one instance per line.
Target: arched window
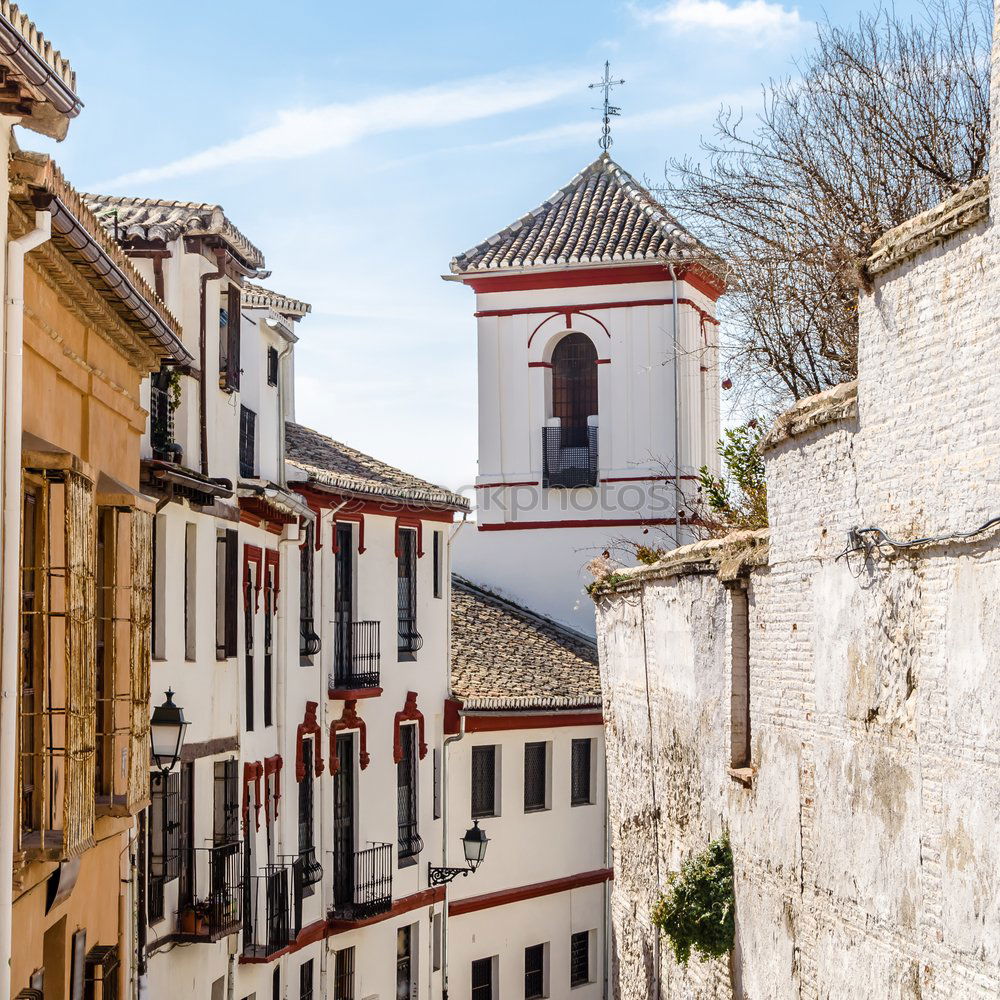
x=574, y=387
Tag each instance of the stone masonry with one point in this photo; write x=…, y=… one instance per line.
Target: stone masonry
x=866, y=833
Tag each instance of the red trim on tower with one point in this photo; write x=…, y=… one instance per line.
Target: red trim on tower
x=308, y=727
x=349, y=719
x=410, y=713
x=592, y=523
x=539, y=364
x=645, y=479
x=603, y=361
x=489, y=486
x=534, y=891
x=578, y=277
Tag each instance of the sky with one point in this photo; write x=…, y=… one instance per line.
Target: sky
x=362, y=145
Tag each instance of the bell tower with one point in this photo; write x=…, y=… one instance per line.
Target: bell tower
x=598, y=387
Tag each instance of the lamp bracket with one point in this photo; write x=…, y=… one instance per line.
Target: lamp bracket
x=442, y=876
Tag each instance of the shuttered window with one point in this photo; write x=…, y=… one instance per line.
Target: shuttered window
x=535, y=776
x=229, y=341
x=534, y=972
x=227, y=594
x=482, y=979
x=580, y=790
x=484, y=791
x=579, y=959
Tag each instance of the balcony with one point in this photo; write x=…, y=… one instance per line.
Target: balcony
x=267, y=917
x=362, y=883
x=357, y=656
x=219, y=911
x=569, y=455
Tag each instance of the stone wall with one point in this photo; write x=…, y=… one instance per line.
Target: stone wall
x=867, y=840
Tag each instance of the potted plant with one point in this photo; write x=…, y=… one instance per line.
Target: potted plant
x=194, y=918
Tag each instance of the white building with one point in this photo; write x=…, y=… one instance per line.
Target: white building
x=528, y=765
x=598, y=385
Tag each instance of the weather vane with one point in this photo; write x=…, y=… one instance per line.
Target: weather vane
x=609, y=109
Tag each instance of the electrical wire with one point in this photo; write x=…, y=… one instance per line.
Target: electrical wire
x=871, y=540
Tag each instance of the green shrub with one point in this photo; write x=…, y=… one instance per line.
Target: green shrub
x=697, y=909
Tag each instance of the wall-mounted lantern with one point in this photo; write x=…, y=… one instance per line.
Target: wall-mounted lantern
x=474, y=844
x=166, y=734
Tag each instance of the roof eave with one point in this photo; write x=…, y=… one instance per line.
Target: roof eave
x=353, y=493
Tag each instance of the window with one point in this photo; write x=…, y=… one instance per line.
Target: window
x=579, y=959
x=104, y=649
x=409, y=842
x=436, y=760
x=306, y=980
x=276, y=984
x=161, y=417
x=229, y=341
x=574, y=387
x=272, y=366
x=739, y=706
x=306, y=800
x=270, y=597
x=436, y=925
x=159, y=586
x=580, y=783
x=100, y=981
x=249, y=606
x=190, y=591
x=164, y=837
x=405, y=962
x=534, y=972
x=482, y=979
x=227, y=593
x=31, y=586
x=185, y=834
x=343, y=975
x=248, y=443
x=484, y=782
x=406, y=563
x=536, y=784
x=226, y=820
x=438, y=551
x=309, y=642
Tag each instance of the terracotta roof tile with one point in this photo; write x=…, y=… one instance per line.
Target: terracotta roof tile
x=154, y=219
x=256, y=296
x=603, y=215
x=342, y=468
x=504, y=656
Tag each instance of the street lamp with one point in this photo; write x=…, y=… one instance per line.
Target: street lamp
x=166, y=734
x=474, y=844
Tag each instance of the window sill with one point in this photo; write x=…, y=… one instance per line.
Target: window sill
x=743, y=775
x=402, y=657
x=537, y=809
x=588, y=803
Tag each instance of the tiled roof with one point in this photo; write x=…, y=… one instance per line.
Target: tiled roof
x=82, y=239
x=602, y=216
x=256, y=296
x=39, y=68
x=153, y=219
x=343, y=469
x=504, y=656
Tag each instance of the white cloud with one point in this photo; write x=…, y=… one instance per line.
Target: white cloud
x=300, y=132
x=756, y=21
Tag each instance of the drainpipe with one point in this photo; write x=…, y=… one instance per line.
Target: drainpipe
x=677, y=409
x=445, y=799
x=281, y=416
x=9, y=627
x=220, y=272
x=281, y=614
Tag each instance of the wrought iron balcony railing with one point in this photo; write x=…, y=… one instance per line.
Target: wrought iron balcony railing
x=362, y=883
x=357, y=654
x=218, y=910
x=568, y=465
x=267, y=917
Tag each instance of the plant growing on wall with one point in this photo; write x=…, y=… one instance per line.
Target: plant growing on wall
x=174, y=389
x=737, y=500
x=697, y=910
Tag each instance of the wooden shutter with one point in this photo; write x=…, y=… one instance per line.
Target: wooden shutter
x=232, y=590
x=141, y=642
x=233, y=338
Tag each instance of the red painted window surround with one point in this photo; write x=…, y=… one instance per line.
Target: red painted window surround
x=349, y=719
x=359, y=520
x=272, y=560
x=308, y=727
x=272, y=765
x=252, y=554
x=410, y=713
x=253, y=771
x=417, y=525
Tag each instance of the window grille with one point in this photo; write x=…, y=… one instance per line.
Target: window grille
x=161, y=417
x=306, y=800
x=343, y=975
x=535, y=767
x=272, y=366
x=229, y=341
x=484, y=763
x=164, y=837
x=409, y=841
x=248, y=443
x=438, y=547
x=100, y=980
x=306, y=980
x=185, y=835
x=404, y=966
x=309, y=641
x=270, y=591
x=226, y=820
x=580, y=781
x=248, y=643
x=579, y=959
x=534, y=972
x=482, y=979
x=410, y=639
x=574, y=387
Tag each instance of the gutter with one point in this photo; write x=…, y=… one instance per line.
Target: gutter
x=66, y=225
x=37, y=71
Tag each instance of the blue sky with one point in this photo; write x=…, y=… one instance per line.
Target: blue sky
x=362, y=145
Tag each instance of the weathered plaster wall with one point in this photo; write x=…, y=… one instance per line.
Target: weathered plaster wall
x=866, y=848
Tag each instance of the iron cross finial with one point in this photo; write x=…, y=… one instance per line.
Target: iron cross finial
x=609, y=109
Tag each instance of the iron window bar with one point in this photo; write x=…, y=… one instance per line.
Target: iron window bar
x=362, y=883
x=357, y=654
x=343, y=975
x=568, y=466
x=268, y=920
x=248, y=442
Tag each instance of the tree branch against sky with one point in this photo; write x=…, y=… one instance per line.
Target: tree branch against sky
x=884, y=119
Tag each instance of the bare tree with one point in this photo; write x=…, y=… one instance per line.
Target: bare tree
x=882, y=120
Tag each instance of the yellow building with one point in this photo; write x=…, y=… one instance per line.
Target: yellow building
x=92, y=330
